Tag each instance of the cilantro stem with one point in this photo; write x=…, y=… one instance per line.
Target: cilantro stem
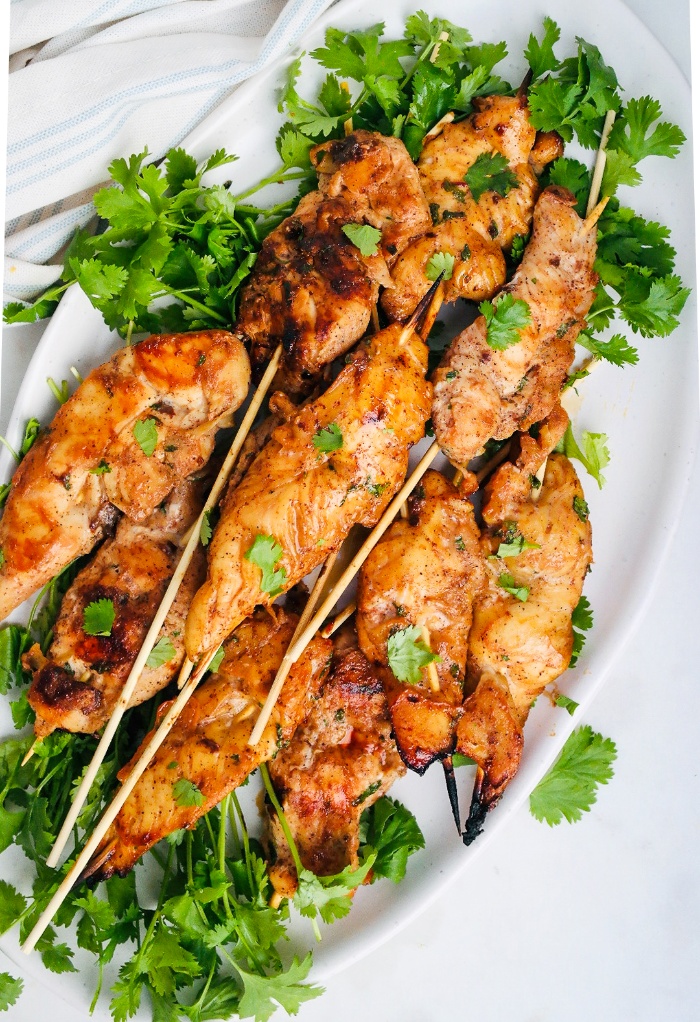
x=280, y=176
x=283, y=820
x=11, y=449
x=184, y=297
x=129, y=332
x=246, y=844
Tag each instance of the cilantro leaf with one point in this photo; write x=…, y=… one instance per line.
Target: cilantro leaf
x=205, y=528
x=146, y=435
x=632, y=132
x=581, y=621
x=408, y=654
x=440, y=263
x=569, y=789
x=652, y=307
x=574, y=175
x=98, y=617
x=293, y=148
x=359, y=55
x=392, y=832
x=12, y=905
x=327, y=438
x=540, y=56
x=507, y=581
x=490, y=172
x=186, y=793
x=162, y=652
x=570, y=705
x=10, y=989
x=592, y=452
x=328, y=896
x=505, y=318
x=616, y=350
x=364, y=237
x=262, y=994
x=266, y=552
x=215, y=663
x=581, y=508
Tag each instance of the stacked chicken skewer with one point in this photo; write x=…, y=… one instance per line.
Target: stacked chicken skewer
x=313, y=294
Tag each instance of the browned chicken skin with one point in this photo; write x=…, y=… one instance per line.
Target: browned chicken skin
x=482, y=393
x=475, y=233
x=208, y=745
x=188, y=384
x=76, y=687
x=308, y=500
x=426, y=570
x=311, y=289
x=340, y=761
x=517, y=648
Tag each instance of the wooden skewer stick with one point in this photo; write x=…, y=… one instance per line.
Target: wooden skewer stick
x=30, y=751
x=601, y=157
x=115, y=805
x=287, y=664
x=340, y=618
x=442, y=38
x=161, y=613
x=439, y=126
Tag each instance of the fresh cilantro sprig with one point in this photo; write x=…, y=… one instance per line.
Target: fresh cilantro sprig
x=364, y=237
x=266, y=552
x=570, y=705
x=490, y=172
x=328, y=438
x=569, y=789
x=505, y=318
x=390, y=830
x=98, y=617
x=591, y=450
x=440, y=263
x=408, y=654
x=581, y=622
x=10, y=990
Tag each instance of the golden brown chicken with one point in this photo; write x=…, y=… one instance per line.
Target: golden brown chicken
x=206, y=755
x=474, y=232
x=340, y=761
x=312, y=289
x=77, y=685
x=521, y=637
x=337, y=462
x=425, y=571
x=133, y=429
x=481, y=392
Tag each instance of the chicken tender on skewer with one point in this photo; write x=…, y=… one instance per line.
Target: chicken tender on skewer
x=481, y=392
x=77, y=685
x=312, y=289
x=207, y=750
x=340, y=761
x=516, y=646
x=336, y=463
x=477, y=232
x=131, y=432
x=425, y=571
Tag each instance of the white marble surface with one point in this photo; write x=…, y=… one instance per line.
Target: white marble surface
x=595, y=920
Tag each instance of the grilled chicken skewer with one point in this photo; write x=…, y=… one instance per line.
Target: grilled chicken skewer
x=208, y=746
x=176, y=392
x=518, y=647
x=312, y=289
x=426, y=571
x=77, y=685
x=340, y=761
x=306, y=499
x=478, y=232
x=481, y=392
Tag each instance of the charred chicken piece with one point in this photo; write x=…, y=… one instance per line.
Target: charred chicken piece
x=307, y=499
x=312, y=290
x=481, y=392
x=340, y=761
x=207, y=750
x=518, y=647
x=76, y=687
x=426, y=570
x=477, y=232
x=174, y=392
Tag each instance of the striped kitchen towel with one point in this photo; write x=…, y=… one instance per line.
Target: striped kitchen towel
x=91, y=80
